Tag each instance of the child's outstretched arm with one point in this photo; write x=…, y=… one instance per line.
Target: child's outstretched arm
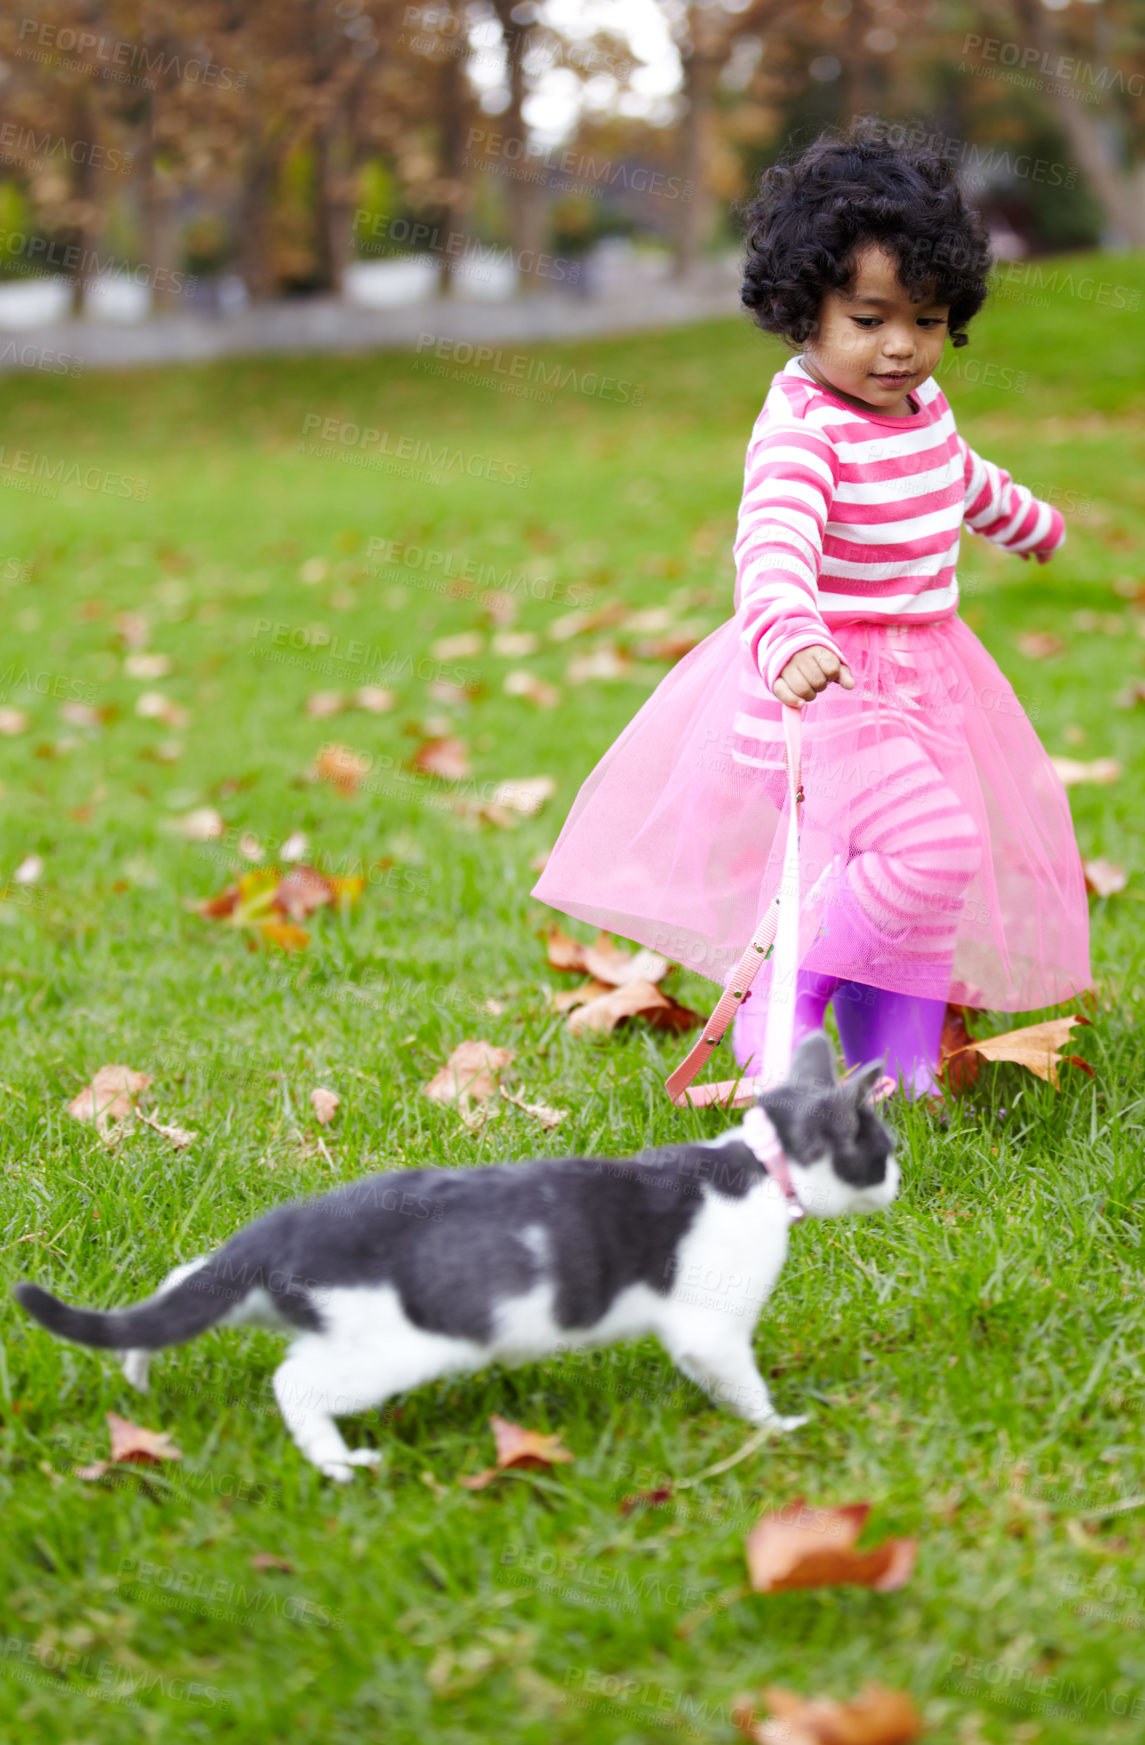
x=789, y=485
x=1008, y=514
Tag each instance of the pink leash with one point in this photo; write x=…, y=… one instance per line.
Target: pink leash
x=778, y=930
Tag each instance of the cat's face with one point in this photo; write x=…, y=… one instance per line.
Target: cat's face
x=840, y=1154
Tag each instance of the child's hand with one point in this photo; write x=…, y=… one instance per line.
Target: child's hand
x=809, y=672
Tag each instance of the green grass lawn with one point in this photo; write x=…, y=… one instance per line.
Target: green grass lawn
x=972, y=1360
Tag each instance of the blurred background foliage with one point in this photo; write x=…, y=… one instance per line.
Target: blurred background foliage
x=280, y=140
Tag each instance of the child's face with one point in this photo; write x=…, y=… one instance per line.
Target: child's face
x=871, y=343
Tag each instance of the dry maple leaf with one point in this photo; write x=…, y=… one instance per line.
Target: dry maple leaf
x=800, y=1547
x=516, y=1447
x=132, y=1445
x=342, y=767
x=638, y=999
x=110, y=1096
x=459, y=647
x=325, y=1105
x=1103, y=770
x=1104, y=878
x=469, y=1073
x=1034, y=1046
x=270, y=1560
x=1040, y=644
x=877, y=1716
x=447, y=758
x=548, y=1118
x=1131, y=695
x=13, y=721
x=81, y=715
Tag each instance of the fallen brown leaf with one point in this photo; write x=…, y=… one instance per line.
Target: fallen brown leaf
x=286, y=935
x=1102, y=770
x=579, y=623
x=154, y=706
x=13, y=721
x=470, y=1073
x=525, y=796
x=81, y=715
x=1132, y=694
x=203, y=824
x=1034, y=1046
x=459, y=647
x=447, y=758
x=110, y=1097
x=325, y=1105
x=301, y=891
x=1104, y=878
x=132, y=629
x=564, y=952
x=962, y=1073
x=1040, y=644
x=147, y=666
x=672, y=647
x=646, y=1499
x=637, y=999
x=877, y=1716
x=534, y=690
x=601, y=663
x=343, y=768
x=801, y=1547
x=325, y=703
x=548, y=1118
x=374, y=699
x=515, y=644
x=567, y=998
x=271, y=1560
x=516, y=1447
x=179, y=1137
x=132, y=1445
x=608, y=962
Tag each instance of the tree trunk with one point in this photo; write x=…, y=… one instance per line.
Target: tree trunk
x=1117, y=193
x=701, y=70
x=527, y=216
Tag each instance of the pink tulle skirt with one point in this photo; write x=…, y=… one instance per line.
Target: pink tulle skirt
x=937, y=857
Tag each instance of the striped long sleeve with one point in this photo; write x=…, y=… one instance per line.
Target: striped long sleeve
x=1005, y=513
x=789, y=485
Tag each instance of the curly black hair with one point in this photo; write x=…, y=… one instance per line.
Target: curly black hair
x=874, y=183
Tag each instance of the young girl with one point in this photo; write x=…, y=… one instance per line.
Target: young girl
x=937, y=857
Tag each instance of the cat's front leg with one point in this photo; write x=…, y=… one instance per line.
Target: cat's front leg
x=728, y=1374
x=304, y=1402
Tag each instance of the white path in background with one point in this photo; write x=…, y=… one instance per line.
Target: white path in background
x=327, y=325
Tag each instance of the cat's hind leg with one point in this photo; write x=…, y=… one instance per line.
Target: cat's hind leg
x=137, y=1362
x=308, y=1400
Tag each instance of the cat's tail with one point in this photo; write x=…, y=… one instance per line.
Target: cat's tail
x=174, y=1315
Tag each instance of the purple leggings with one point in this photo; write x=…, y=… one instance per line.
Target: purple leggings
x=902, y=1030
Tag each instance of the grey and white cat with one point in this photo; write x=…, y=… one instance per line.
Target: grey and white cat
x=405, y=1277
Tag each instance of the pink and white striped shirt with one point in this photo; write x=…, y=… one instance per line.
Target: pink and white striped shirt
x=849, y=516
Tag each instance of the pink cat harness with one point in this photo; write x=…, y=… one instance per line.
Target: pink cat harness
x=762, y=1141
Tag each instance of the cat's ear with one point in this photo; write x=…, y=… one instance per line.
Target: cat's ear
x=814, y=1063
x=862, y=1083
